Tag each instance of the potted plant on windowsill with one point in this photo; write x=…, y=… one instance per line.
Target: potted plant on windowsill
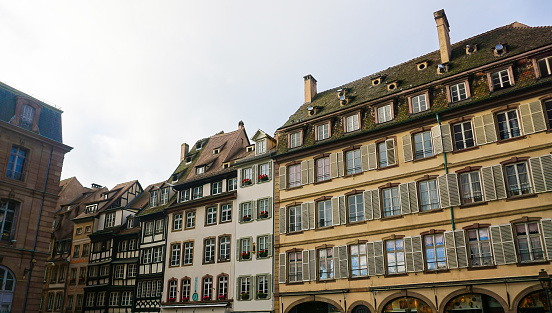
x=205, y=298
x=246, y=182
x=244, y=295
x=246, y=218
x=263, y=177
x=185, y=299
x=263, y=253
x=246, y=255
x=261, y=295
x=263, y=214
x=222, y=297
x=172, y=299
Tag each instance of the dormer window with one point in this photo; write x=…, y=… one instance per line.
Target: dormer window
x=422, y=65
x=199, y=146
x=164, y=196
x=91, y=208
x=26, y=114
x=260, y=146
x=189, y=160
x=442, y=68
x=392, y=85
x=153, y=198
x=295, y=139
x=174, y=178
x=250, y=148
x=226, y=165
x=499, y=49
x=200, y=170
x=470, y=49
x=377, y=81
x=216, y=151
x=130, y=222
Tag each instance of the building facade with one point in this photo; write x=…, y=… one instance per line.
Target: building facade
x=424, y=187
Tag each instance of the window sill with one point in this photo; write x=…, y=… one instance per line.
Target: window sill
x=387, y=167
x=476, y=268
x=224, y=222
x=323, y=228
x=355, y=223
x=393, y=217
x=395, y=275
x=293, y=188
x=358, y=277
x=264, y=181
x=294, y=233
x=423, y=159
x=353, y=175
x=430, y=211
x=207, y=225
x=223, y=261
x=321, y=281
x=189, y=228
x=294, y=283
x=437, y=271
x=465, y=150
x=513, y=198
x=543, y=262
x=457, y=102
x=469, y=205
x=322, y=181
x=499, y=142
x=210, y=262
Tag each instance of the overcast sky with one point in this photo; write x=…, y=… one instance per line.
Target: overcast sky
x=136, y=79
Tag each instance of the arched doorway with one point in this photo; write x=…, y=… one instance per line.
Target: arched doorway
x=7, y=285
x=406, y=304
x=533, y=302
x=361, y=309
x=314, y=307
x=473, y=303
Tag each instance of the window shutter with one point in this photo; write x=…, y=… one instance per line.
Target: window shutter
x=312, y=215
x=446, y=138
x=334, y=172
x=443, y=191
x=408, y=256
x=371, y=261
x=304, y=216
x=335, y=211
x=541, y=171
x=418, y=253
x=254, y=209
x=455, y=245
x=282, y=178
x=546, y=225
x=269, y=208
x=336, y=263
x=311, y=171
x=405, y=199
x=498, y=177
x=532, y=117
x=390, y=146
x=407, y=147
x=372, y=157
x=413, y=197
x=269, y=244
x=282, y=223
x=281, y=268
x=526, y=120
x=367, y=197
x=364, y=158
x=479, y=130
x=253, y=175
x=493, y=183
x=305, y=268
x=436, y=139
x=269, y=170
x=503, y=244
x=376, y=211
x=490, y=129
x=304, y=172
x=378, y=254
x=448, y=190
x=343, y=262
x=340, y=164
x=450, y=250
x=342, y=210
x=312, y=264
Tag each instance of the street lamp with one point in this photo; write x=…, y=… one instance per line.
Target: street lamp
x=546, y=284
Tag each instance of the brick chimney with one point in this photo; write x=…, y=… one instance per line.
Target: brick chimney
x=184, y=149
x=310, y=88
x=241, y=125
x=443, y=30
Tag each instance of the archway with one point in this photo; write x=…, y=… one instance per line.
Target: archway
x=534, y=302
x=7, y=286
x=314, y=307
x=473, y=303
x=406, y=304
x=361, y=309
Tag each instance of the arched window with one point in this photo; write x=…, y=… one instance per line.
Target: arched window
x=185, y=289
x=361, y=309
x=172, y=290
x=207, y=284
x=7, y=286
x=407, y=304
x=8, y=210
x=474, y=302
x=222, y=287
x=534, y=302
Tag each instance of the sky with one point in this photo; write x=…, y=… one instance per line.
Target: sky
x=136, y=79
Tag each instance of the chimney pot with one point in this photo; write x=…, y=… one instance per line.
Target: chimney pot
x=310, y=88
x=443, y=30
x=184, y=149
x=241, y=125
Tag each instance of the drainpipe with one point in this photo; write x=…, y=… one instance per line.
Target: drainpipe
x=36, y=233
x=446, y=172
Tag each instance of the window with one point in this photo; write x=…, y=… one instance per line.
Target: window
x=260, y=146
x=114, y=299
x=352, y=162
x=216, y=188
x=173, y=286
x=263, y=246
x=419, y=103
x=188, y=253
x=384, y=113
x=395, y=256
x=323, y=169
x=500, y=79
x=185, y=195
x=109, y=220
x=80, y=299
x=119, y=271
x=458, y=92
x=131, y=270
x=264, y=172
x=224, y=248
x=295, y=139
x=422, y=145
x=529, y=242
x=148, y=228
x=245, y=287
x=93, y=271
x=434, y=246
x=190, y=219
x=232, y=184
x=186, y=284
x=147, y=256
x=263, y=208
x=76, y=251
x=508, y=125
x=198, y=192
x=158, y=254
x=356, y=208
x=463, y=135
x=153, y=198
x=245, y=212
x=325, y=263
x=82, y=274
x=69, y=303
x=211, y=215
x=225, y=213
x=207, y=288
x=16, y=165
x=88, y=229
x=164, y=195
x=247, y=176
x=200, y=170
x=209, y=252
x=352, y=123
x=27, y=116
x=324, y=213
x=479, y=247
x=294, y=175
x=245, y=249
x=358, y=260
x=104, y=270
x=175, y=254
x=100, y=298
x=295, y=218
x=89, y=299
x=132, y=244
x=517, y=179
x=548, y=108
x=262, y=286
x=79, y=231
x=429, y=198
x=7, y=215
x=222, y=291
x=126, y=298
x=470, y=184
x=177, y=221
x=159, y=225
x=386, y=153
x=545, y=66
x=322, y=131
x=391, y=201
x=295, y=273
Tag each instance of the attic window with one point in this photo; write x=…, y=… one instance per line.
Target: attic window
x=200, y=170
x=376, y=81
x=342, y=96
x=175, y=178
x=442, y=68
x=470, y=49
x=392, y=85
x=216, y=151
x=198, y=146
x=499, y=49
x=313, y=109
x=189, y=160
x=422, y=65
x=250, y=148
x=226, y=165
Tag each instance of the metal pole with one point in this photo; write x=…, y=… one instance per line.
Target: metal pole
x=548, y=299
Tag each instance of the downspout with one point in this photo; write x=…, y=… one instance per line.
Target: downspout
x=446, y=171
x=36, y=233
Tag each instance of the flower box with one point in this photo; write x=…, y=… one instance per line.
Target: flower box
x=245, y=255
x=263, y=214
x=185, y=299
x=246, y=218
x=262, y=295
x=262, y=253
x=263, y=177
x=206, y=298
x=246, y=182
x=172, y=299
x=222, y=297
x=244, y=295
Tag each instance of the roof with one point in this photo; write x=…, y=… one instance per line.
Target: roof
x=518, y=37
x=118, y=190
x=142, y=201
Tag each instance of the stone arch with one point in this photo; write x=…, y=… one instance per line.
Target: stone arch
x=314, y=299
x=462, y=291
x=360, y=302
x=523, y=294
x=404, y=294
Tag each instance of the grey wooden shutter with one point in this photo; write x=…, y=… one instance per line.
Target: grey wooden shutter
x=479, y=130
x=281, y=268
x=342, y=210
x=340, y=164
x=503, y=244
x=526, y=120
x=269, y=244
x=312, y=215
x=541, y=171
x=253, y=176
x=304, y=172
x=336, y=263
x=532, y=117
x=493, y=183
x=407, y=147
x=436, y=140
x=378, y=256
x=254, y=209
x=448, y=190
x=413, y=197
x=418, y=253
x=364, y=158
x=334, y=172
x=282, y=222
x=390, y=147
x=408, y=257
x=455, y=246
x=446, y=138
x=311, y=171
x=269, y=208
x=372, y=157
x=343, y=262
x=270, y=170
x=306, y=272
x=405, y=199
x=282, y=178
x=546, y=225
x=376, y=211
x=312, y=264
x=304, y=216
x=443, y=191
x=490, y=129
x=335, y=211
x=367, y=197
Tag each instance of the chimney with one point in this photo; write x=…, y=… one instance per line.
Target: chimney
x=443, y=30
x=184, y=148
x=96, y=186
x=310, y=88
x=241, y=125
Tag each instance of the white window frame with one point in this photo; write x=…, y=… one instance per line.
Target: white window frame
x=295, y=139
x=357, y=258
x=294, y=175
x=188, y=255
x=224, y=248
x=464, y=132
x=164, y=196
x=521, y=187
x=324, y=213
x=295, y=267
x=508, y=131
x=175, y=254
x=384, y=113
x=536, y=254
x=211, y=217
x=390, y=201
x=190, y=219
x=322, y=131
x=355, y=204
x=458, y=92
x=468, y=187
x=353, y=164
x=226, y=212
x=419, y=103
x=425, y=151
x=110, y=220
x=198, y=192
x=216, y=188
x=352, y=123
x=432, y=192
x=322, y=170
x=177, y=221
x=209, y=252
x=232, y=184
x=502, y=81
x=325, y=264
x=394, y=248
x=294, y=213
x=477, y=258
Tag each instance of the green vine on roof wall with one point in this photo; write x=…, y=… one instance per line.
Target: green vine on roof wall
x=524, y=74
x=479, y=87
